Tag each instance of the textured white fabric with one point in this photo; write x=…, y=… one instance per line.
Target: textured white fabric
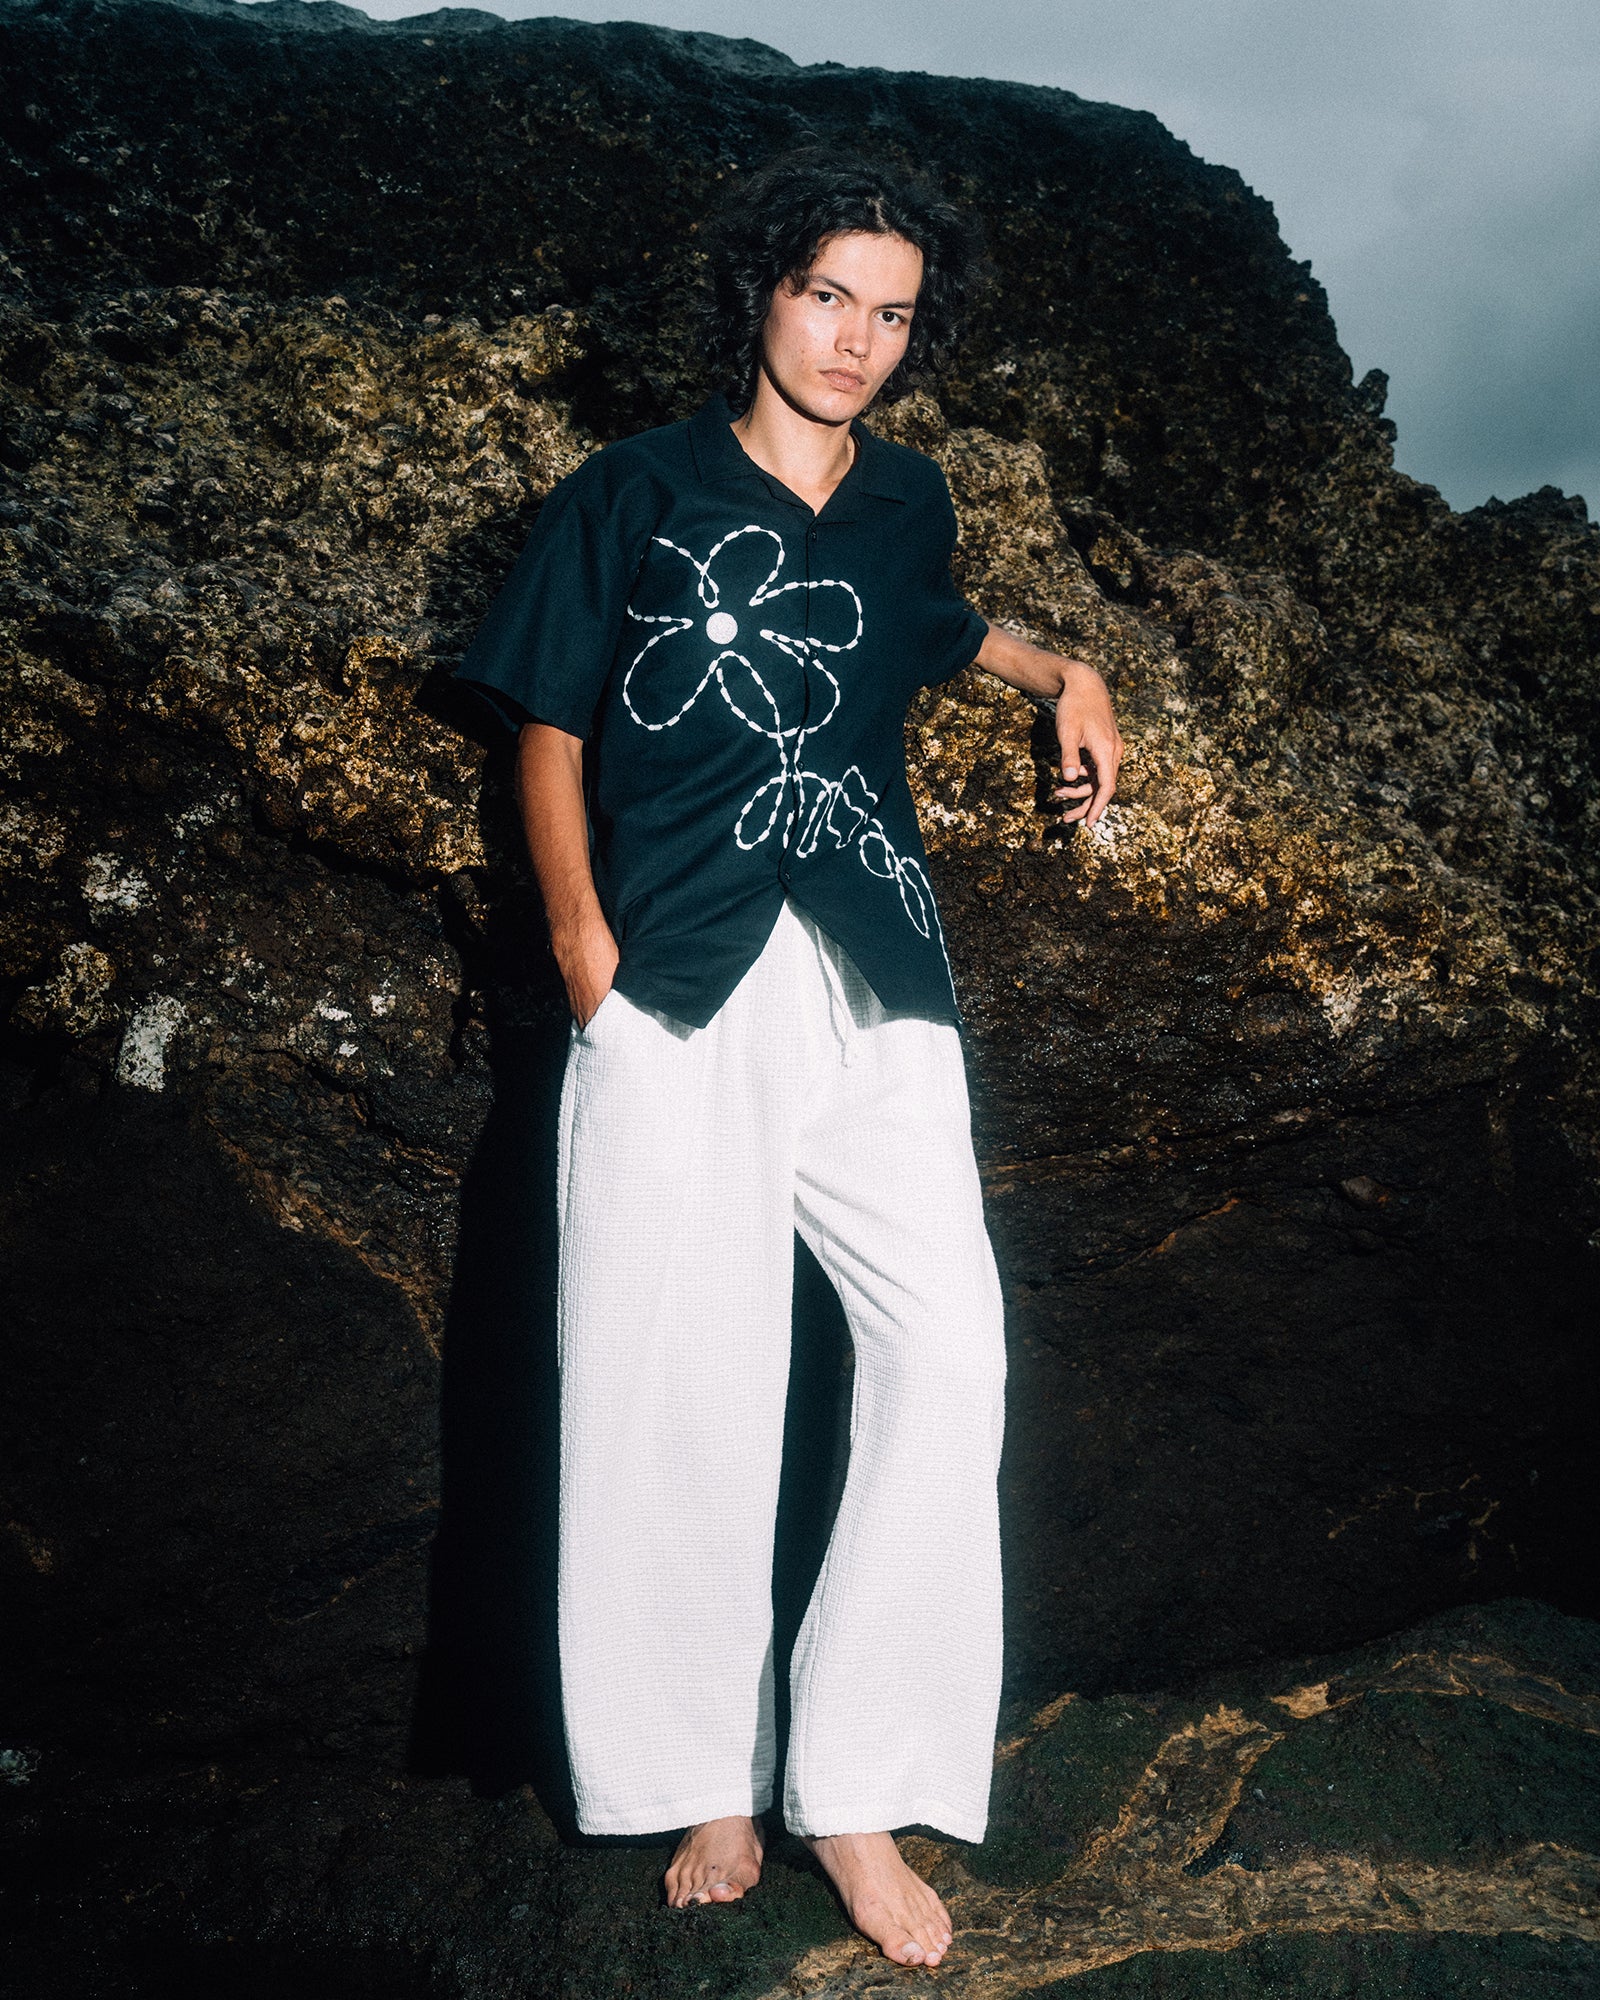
x=688, y=1156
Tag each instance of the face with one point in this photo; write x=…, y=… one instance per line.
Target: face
x=828, y=347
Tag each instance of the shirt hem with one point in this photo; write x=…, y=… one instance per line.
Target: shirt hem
x=969, y=650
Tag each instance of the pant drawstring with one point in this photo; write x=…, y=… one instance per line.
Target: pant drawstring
x=844, y=1023
x=839, y=1012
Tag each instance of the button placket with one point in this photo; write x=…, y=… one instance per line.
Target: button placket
x=796, y=792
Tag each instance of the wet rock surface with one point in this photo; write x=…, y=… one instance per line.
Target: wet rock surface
x=1283, y=1077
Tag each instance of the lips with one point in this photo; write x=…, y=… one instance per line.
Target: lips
x=842, y=379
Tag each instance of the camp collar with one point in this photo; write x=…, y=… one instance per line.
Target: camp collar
x=718, y=455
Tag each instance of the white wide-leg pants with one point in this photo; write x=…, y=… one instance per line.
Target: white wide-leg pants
x=688, y=1157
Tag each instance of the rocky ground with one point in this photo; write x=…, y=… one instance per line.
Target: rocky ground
x=1284, y=1076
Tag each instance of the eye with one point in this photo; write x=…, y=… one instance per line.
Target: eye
x=826, y=297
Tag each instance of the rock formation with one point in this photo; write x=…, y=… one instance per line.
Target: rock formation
x=1284, y=1075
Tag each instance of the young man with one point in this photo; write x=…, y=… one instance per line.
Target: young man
x=709, y=643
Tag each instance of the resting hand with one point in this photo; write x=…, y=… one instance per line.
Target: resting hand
x=588, y=959
x=1091, y=743
x=1086, y=729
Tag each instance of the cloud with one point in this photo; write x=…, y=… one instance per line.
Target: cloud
x=1437, y=160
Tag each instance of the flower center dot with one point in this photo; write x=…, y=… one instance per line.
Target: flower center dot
x=721, y=628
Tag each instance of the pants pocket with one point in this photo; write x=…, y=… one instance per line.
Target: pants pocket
x=587, y=1031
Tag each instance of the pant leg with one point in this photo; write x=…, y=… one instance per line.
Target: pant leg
x=676, y=1263
x=896, y=1671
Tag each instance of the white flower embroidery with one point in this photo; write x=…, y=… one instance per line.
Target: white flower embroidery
x=669, y=662
x=840, y=806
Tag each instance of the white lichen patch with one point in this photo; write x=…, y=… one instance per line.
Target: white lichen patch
x=382, y=1003
x=326, y=1011
x=142, y=1059
x=1104, y=831
x=111, y=885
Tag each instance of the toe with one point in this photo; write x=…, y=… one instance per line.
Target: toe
x=718, y=1890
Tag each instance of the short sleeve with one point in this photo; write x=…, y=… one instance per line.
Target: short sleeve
x=952, y=631
x=547, y=642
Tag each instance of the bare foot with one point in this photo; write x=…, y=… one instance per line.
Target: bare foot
x=885, y=1900
x=716, y=1862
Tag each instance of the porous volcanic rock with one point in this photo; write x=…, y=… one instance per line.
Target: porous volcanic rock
x=1284, y=1075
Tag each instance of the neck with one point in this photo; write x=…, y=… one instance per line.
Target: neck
x=809, y=454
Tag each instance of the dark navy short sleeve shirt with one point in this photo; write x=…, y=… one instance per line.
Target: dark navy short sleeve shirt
x=740, y=669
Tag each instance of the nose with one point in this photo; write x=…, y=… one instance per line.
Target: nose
x=855, y=336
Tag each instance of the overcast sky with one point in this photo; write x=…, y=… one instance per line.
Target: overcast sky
x=1437, y=160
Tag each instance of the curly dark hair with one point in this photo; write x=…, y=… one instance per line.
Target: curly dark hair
x=769, y=230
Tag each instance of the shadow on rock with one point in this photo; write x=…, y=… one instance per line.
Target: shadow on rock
x=489, y=1696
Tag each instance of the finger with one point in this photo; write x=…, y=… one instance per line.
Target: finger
x=1103, y=747
x=1075, y=808
x=1073, y=762
x=1078, y=796
x=1070, y=737
x=1106, y=785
